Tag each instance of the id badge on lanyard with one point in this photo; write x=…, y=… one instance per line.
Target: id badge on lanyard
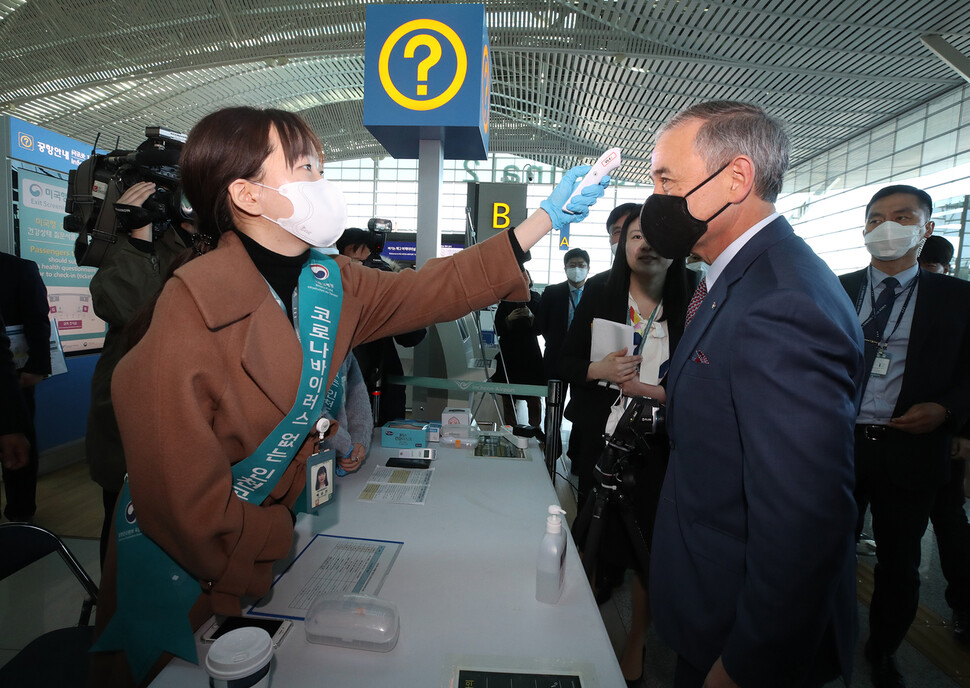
x=880, y=365
x=319, y=471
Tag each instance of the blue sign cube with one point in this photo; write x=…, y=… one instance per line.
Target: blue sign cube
x=427, y=75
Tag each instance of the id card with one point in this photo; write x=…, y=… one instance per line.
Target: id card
x=880, y=366
x=320, y=476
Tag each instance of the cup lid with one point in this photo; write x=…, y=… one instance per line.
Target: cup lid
x=239, y=653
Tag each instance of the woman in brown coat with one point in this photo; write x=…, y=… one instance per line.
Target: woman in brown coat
x=220, y=366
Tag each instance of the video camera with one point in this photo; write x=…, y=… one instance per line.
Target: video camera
x=642, y=419
x=643, y=416
x=95, y=186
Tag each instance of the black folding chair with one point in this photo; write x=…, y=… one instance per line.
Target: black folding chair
x=57, y=658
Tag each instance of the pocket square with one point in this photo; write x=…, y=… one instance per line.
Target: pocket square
x=700, y=357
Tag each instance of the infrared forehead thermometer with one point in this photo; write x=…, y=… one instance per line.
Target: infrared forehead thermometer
x=605, y=164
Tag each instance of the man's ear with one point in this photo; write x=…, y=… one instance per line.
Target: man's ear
x=246, y=196
x=930, y=226
x=742, y=178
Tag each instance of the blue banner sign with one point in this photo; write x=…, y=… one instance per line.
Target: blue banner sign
x=37, y=145
x=427, y=75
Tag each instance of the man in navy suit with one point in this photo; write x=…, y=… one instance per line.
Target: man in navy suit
x=917, y=395
x=752, y=575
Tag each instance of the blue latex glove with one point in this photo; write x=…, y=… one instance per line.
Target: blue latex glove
x=580, y=205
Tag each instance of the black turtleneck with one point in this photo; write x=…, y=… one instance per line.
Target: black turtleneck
x=281, y=272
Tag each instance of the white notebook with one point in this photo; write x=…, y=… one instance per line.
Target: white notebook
x=609, y=336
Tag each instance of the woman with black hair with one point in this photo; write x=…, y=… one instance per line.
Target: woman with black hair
x=650, y=293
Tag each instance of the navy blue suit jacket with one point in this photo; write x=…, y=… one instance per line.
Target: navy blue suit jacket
x=753, y=551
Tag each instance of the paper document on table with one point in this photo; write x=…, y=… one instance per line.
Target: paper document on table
x=328, y=564
x=397, y=485
x=609, y=336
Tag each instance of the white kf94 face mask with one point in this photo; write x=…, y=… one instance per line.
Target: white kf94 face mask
x=890, y=240
x=319, y=211
x=576, y=274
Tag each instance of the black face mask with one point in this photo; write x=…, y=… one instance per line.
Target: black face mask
x=668, y=226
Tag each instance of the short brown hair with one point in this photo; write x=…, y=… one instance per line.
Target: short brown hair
x=232, y=144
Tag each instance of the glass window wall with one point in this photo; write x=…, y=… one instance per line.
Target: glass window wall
x=928, y=147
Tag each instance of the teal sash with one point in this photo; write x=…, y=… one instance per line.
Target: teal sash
x=154, y=594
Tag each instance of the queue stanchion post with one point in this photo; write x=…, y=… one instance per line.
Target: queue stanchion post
x=554, y=407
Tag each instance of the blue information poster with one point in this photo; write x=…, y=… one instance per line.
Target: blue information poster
x=39, y=146
x=44, y=241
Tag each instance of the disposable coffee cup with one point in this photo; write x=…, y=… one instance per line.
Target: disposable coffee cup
x=240, y=659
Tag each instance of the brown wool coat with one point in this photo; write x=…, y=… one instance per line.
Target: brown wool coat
x=218, y=370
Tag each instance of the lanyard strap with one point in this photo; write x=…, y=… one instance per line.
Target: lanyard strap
x=643, y=337
x=154, y=592
x=883, y=343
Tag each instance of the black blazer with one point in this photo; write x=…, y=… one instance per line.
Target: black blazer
x=589, y=402
x=937, y=370
x=550, y=322
x=520, y=355
x=13, y=413
x=23, y=301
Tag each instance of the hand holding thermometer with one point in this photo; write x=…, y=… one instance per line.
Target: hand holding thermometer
x=603, y=166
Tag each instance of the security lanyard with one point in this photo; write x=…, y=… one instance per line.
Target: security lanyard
x=883, y=343
x=646, y=330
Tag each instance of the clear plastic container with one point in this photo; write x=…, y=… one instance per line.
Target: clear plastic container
x=360, y=622
x=463, y=431
x=459, y=442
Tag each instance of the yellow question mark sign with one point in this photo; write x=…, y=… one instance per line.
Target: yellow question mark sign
x=434, y=54
x=423, y=25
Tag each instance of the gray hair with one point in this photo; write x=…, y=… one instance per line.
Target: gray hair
x=733, y=128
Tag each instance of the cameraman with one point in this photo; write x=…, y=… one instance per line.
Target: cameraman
x=650, y=293
x=379, y=359
x=131, y=273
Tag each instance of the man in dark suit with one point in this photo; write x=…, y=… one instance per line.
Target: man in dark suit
x=752, y=576
x=23, y=302
x=557, y=307
x=917, y=394
x=948, y=516
x=14, y=447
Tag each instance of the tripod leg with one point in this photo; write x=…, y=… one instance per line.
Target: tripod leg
x=640, y=549
x=588, y=527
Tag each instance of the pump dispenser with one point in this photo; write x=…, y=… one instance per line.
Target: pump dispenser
x=551, y=563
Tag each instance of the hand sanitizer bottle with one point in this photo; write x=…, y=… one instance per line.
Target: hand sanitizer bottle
x=551, y=564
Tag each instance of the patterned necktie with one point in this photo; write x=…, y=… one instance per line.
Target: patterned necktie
x=695, y=301
x=875, y=329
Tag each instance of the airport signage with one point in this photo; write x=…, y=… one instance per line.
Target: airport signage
x=39, y=146
x=427, y=76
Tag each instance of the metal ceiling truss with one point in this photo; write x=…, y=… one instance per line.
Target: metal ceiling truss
x=569, y=77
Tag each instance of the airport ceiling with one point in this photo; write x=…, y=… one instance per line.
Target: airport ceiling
x=569, y=77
